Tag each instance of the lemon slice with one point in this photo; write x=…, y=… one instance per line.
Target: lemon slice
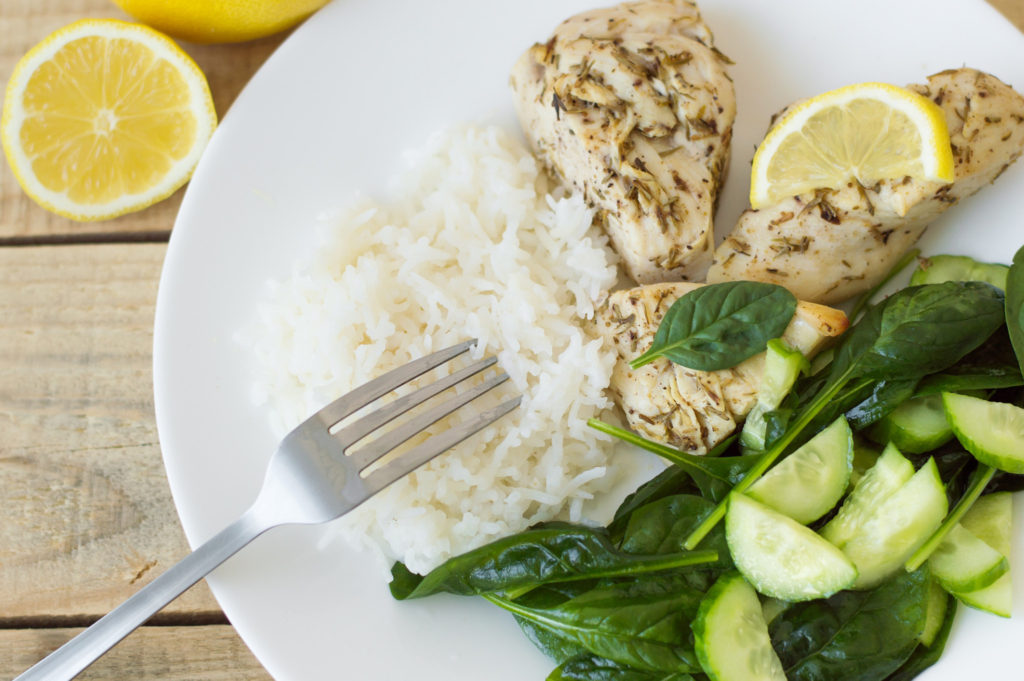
x=865, y=132
x=103, y=118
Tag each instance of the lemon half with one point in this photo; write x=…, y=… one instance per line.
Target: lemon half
x=220, y=21
x=865, y=132
x=104, y=117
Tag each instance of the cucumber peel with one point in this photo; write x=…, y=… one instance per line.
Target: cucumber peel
x=780, y=557
x=992, y=431
x=731, y=635
x=810, y=481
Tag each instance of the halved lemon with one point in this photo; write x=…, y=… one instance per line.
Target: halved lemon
x=865, y=132
x=104, y=117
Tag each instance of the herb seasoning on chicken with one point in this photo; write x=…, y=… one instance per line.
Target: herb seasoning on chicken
x=831, y=245
x=632, y=105
x=689, y=409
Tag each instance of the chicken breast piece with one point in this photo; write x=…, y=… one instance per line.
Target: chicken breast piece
x=691, y=410
x=632, y=106
x=834, y=244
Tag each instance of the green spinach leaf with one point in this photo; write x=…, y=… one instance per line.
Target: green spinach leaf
x=926, y=656
x=642, y=623
x=673, y=480
x=553, y=552
x=662, y=526
x=1015, y=306
x=592, y=668
x=719, y=325
x=863, y=635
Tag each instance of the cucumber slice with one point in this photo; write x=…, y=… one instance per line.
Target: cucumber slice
x=897, y=527
x=963, y=562
x=916, y=426
x=938, y=603
x=882, y=480
x=731, y=635
x=992, y=431
x=990, y=520
x=810, y=481
x=780, y=557
x=996, y=599
x=782, y=365
x=864, y=457
x=940, y=268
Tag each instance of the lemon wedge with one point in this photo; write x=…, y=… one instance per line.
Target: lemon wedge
x=865, y=132
x=104, y=117
x=220, y=21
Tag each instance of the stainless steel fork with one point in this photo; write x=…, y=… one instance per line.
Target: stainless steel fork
x=313, y=477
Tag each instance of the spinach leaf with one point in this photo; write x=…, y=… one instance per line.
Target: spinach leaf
x=643, y=623
x=863, y=635
x=991, y=367
x=926, y=656
x=713, y=473
x=673, y=480
x=885, y=396
x=919, y=330
x=550, y=643
x=1015, y=306
x=553, y=552
x=662, y=526
x=592, y=668
x=719, y=325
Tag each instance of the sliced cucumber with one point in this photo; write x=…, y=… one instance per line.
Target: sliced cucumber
x=963, y=562
x=990, y=520
x=897, y=527
x=996, y=599
x=864, y=457
x=882, y=480
x=916, y=426
x=810, y=481
x=938, y=603
x=992, y=431
x=940, y=268
x=773, y=607
x=780, y=557
x=782, y=365
x=731, y=635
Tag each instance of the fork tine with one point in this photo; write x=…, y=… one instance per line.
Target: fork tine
x=442, y=442
x=360, y=397
x=367, y=454
x=355, y=432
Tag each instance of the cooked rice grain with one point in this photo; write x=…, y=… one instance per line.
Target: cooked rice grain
x=479, y=245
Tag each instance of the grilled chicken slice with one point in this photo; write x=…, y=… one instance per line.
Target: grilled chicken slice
x=632, y=106
x=691, y=410
x=830, y=245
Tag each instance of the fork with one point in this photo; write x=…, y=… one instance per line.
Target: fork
x=313, y=477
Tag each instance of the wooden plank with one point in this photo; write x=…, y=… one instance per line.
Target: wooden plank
x=23, y=23
x=86, y=516
x=1012, y=10
x=211, y=653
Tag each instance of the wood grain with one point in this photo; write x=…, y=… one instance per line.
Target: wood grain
x=23, y=23
x=85, y=512
x=206, y=653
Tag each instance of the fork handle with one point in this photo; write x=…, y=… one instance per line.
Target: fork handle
x=71, y=658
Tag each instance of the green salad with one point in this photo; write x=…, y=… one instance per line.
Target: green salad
x=867, y=495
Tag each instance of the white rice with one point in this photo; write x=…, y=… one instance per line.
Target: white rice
x=480, y=245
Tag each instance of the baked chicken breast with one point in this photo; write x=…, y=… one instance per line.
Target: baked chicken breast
x=830, y=245
x=691, y=410
x=632, y=106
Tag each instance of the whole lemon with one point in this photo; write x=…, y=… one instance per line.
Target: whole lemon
x=220, y=21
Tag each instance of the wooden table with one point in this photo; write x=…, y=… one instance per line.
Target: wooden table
x=85, y=512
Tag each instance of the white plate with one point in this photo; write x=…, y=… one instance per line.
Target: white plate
x=330, y=113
